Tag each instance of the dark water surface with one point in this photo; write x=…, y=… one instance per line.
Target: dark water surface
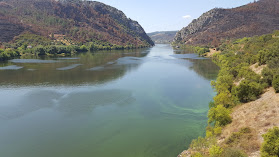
x=139, y=103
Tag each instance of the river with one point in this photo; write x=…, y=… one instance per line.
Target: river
x=137, y=103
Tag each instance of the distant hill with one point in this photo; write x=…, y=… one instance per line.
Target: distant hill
x=162, y=37
x=74, y=20
x=256, y=18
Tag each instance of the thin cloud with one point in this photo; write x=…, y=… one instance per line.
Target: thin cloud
x=187, y=17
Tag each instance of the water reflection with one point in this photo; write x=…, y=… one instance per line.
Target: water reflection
x=84, y=68
x=202, y=66
x=205, y=68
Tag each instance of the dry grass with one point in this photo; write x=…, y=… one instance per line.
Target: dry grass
x=257, y=69
x=259, y=115
x=212, y=52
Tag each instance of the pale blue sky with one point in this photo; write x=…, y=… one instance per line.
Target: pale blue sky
x=166, y=15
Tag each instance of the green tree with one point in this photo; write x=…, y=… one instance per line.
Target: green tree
x=248, y=91
x=270, y=146
x=275, y=83
x=40, y=50
x=219, y=115
x=215, y=151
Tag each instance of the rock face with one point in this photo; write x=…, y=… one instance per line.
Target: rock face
x=252, y=19
x=82, y=21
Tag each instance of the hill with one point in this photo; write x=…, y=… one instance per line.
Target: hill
x=245, y=109
x=256, y=18
x=162, y=37
x=70, y=21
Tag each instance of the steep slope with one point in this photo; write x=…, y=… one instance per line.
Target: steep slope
x=79, y=21
x=162, y=37
x=252, y=19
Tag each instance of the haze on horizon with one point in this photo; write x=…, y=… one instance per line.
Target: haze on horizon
x=168, y=15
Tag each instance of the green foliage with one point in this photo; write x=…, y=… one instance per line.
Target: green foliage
x=270, y=146
x=219, y=115
x=267, y=75
x=248, y=91
x=83, y=48
x=275, y=83
x=201, y=50
x=215, y=151
x=40, y=50
x=8, y=54
x=197, y=155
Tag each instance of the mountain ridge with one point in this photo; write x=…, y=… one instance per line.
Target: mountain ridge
x=218, y=24
x=79, y=21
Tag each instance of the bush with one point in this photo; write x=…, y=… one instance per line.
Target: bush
x=270, y=146
x=215, y=151
x=51, y=49
x=219, y=115
x=275, y=83
x=83, y=48
x=248, y=91
x=40, y=50
x=8, y=54
x=197, y=155
x=267, y=75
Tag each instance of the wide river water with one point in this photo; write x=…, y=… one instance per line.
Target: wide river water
x=138, y=103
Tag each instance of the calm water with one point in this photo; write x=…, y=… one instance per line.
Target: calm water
x=139, y=103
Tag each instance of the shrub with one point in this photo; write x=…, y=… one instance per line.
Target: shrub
x=270, y=146
x=215, y=151
x=275, y=83
x=219, y=115
x=40, y=50
x=248, y=91
x=197, y=155
x=51, y=49
x=83, y=48
x=267, y=75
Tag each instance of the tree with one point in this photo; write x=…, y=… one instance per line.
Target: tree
x=270, y=146
x=40, y=50
x=219, y=115
x=275, y=83
x=248, y=91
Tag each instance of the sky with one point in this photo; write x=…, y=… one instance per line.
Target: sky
x=168, y=15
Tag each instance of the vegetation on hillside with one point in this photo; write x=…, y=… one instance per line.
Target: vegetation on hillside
x=256, y=18
x=65, y=27
x=28, y=43
x=238, y=83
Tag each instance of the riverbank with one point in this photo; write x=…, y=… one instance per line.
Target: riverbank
x=246, y=105
x=28, y=43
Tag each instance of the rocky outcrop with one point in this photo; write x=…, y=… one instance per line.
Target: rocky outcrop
x=252, y=19
x=199, y=24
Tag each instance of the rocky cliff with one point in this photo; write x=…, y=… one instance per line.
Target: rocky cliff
x=80, y=21
x=252, y=19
